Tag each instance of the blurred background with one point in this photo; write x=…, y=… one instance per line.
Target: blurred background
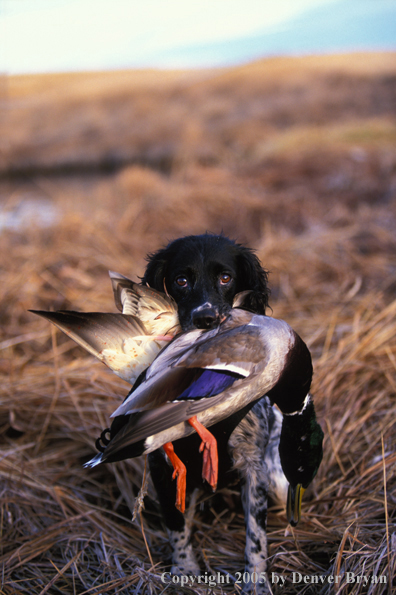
x=126, y=124
x=70, y=35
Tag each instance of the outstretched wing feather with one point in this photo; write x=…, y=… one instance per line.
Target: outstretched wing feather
x=118, y=340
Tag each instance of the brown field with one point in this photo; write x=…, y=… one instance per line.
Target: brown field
x=295, y=157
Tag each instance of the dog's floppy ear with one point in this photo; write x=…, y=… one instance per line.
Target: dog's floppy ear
x=252, y=276
x=156, y=269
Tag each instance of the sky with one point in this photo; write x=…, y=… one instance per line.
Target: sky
x=62, y=35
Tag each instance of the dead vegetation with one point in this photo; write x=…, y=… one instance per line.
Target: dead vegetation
x=270, y=156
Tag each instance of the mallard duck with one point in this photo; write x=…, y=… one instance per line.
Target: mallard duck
x=203, y=377
x=200, y=378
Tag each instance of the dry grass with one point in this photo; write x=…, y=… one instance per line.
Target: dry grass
x=216, y=116
x=318, y=205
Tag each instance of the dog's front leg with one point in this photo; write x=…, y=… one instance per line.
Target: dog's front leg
x=248, y=444
x=178, y=525
x=255, y=504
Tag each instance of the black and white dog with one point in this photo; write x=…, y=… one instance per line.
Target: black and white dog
x=203, y=274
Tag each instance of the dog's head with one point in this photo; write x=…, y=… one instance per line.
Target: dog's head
x=203, y=274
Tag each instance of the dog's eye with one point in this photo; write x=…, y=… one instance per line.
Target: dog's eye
x=225, y=278
x=181, y=281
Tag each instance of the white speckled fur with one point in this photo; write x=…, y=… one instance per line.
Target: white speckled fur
x=183, y=557
x=254, y=447
x=277, y=482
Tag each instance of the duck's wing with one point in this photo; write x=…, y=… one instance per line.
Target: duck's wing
x=197, y=367
x=130, y=430
x=237, y=350
x=156, y=310
x=118, y=340
x=155, y=412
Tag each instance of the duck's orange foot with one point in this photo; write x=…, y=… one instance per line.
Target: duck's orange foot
x=210, y=467
x=180, y=474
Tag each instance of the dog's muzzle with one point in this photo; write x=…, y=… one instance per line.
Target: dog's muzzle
x=206, y=318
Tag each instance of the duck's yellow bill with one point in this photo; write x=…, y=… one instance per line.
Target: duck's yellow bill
x=294, y=498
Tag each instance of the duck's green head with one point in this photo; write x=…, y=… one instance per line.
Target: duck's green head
x=301, y=451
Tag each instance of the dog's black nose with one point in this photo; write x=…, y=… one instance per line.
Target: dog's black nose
x=206, y=318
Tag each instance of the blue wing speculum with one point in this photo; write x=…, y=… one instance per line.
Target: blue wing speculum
x=209, y=384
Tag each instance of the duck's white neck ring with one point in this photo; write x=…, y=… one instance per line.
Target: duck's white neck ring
x=307, y=400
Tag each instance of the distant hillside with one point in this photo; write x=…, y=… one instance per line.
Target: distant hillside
x=93, y=121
